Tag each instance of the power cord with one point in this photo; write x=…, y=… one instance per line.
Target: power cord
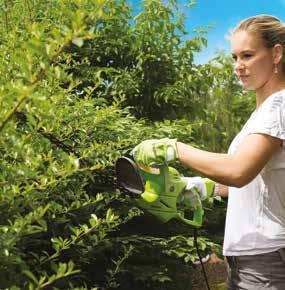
x=200, y=258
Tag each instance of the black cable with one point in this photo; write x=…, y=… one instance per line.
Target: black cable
x=200, y=259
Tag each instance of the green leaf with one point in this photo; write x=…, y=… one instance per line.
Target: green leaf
x=78, y=41
x=31, y=276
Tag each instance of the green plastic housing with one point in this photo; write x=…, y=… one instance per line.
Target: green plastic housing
x=161, y=196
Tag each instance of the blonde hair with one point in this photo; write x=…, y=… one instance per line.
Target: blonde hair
x=269, y=28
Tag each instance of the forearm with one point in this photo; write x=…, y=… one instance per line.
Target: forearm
x=219, y=167
x=223, y=190
x=236, y=169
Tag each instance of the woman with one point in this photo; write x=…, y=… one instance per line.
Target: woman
x=252, y=174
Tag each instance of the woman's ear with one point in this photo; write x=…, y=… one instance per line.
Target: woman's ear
x=277, y=53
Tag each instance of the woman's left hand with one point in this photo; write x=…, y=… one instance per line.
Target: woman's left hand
x=155, y=152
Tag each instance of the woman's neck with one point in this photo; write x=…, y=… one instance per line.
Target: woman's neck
x=275, y=85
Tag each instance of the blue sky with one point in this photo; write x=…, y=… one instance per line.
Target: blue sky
x=224, y=14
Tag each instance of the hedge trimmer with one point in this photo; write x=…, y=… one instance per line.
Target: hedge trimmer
x=161, y=192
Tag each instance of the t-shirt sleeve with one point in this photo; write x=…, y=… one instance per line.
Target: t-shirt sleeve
x=271, y=117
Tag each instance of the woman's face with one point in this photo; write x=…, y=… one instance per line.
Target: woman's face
x=253, y=61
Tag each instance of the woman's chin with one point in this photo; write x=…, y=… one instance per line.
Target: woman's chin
x=246, y=86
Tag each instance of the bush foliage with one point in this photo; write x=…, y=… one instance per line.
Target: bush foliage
x=83, y=82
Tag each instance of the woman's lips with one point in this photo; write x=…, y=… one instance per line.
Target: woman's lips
x=243, y=77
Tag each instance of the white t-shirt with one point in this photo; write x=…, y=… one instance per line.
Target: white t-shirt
x=255, y=221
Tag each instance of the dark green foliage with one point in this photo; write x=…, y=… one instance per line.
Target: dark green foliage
x=145, y=61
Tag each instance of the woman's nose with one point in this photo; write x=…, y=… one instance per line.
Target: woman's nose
x=239, y=65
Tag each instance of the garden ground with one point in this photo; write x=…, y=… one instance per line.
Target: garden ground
x=216, y=273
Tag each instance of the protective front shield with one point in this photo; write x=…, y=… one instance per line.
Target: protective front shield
x=128, y=176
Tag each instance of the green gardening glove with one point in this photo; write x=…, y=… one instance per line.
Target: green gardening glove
x=196, y=190
x=155, y=152
x=204, y=186
x=189, y=199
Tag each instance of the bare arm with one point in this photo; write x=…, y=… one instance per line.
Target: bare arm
x=223, y=190
x=232, y=170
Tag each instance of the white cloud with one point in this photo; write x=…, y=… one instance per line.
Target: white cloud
x=228, y=34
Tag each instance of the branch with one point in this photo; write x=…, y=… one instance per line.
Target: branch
x=12, y=112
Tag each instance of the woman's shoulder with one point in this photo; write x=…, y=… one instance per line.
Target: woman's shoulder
x=274, y=102
x=270, y=119
x=277, y=98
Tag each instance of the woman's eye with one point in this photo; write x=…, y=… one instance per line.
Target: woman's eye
x=247, y=55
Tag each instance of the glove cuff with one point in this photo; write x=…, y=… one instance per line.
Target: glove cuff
x=170, y=153
x=216, y=189
x=211, y=187
x=171, y=150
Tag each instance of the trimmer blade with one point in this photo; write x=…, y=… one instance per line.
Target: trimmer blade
x=128, y=175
